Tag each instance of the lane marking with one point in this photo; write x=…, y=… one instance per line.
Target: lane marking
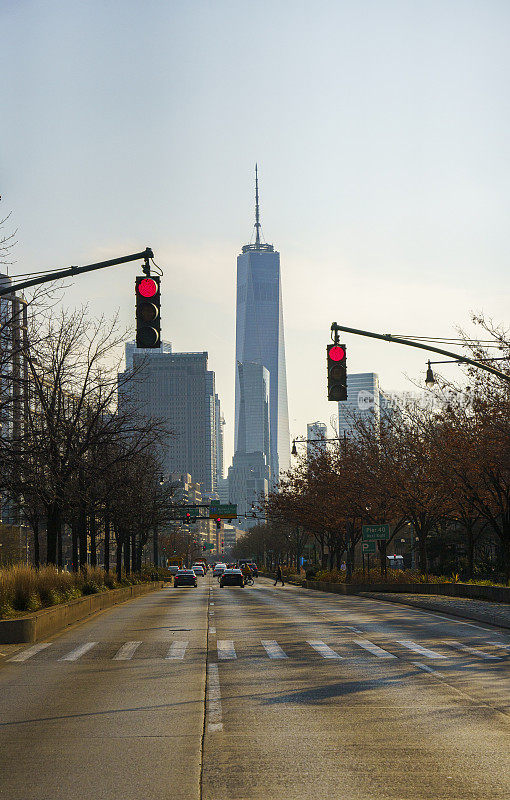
x=32, y=651
x=323, y=649
x=500, y=644
x=426, y=668
x=177, y=651
x=373, y=648
x=74, y=655
x=214, y=710
x=273, y=649
x=417, y=648
x=226, y=649
x=472, y=650
x=212, y=630
x=127, y=651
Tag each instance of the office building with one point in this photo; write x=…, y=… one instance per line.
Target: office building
x=248, y=483
x=178, y=389
x=260, y=341
x=362, y=404
x=316, y=433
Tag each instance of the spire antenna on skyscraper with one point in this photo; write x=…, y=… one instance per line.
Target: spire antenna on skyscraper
x=257, y=212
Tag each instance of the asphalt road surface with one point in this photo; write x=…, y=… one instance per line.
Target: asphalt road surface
x=258, y=693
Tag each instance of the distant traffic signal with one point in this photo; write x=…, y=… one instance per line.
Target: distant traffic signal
x=337, y=372
x=218, y=523
x=148, y=304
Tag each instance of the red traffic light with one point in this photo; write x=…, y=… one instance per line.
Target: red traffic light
x=147, y=287
x=336, y=353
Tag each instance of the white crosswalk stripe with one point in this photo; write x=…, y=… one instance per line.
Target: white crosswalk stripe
x=273, y=649
x=373, y=648
x=78, y=652
x=466, y=649
x=32, y=651
x=226, y=649
x=176, y=651
x=323, y=649
x=499, y=644
x=417, y=648
x=127, y=651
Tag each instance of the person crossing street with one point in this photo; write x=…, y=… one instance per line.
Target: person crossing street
x=279, y=575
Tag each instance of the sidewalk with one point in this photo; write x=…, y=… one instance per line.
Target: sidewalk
x=480, y=610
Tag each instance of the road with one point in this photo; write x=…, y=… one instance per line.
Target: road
x=244, y=694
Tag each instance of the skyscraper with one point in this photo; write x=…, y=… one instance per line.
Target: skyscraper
x=362, y=403
x=316, y=434
x=260, y=340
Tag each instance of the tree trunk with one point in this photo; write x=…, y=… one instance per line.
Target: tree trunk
x=59, y=548
x=53, y=525
x=127, y=555
x=118, y=559
x=133, y=553
x=37, y=555
x=107, y=543
x=470, y=550
x=422, y=550
x=93, y=538
x=82, y=535
x=74, y=545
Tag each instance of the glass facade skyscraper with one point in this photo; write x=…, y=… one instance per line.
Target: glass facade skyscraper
x=260, y=340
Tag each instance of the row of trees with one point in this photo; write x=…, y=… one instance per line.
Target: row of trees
x=72, y=461
x=444, y=469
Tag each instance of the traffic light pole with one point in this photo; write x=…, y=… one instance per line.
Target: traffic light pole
x=72, y=271
x=387, y=337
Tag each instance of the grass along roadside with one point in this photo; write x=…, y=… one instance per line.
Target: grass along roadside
x=25, y=590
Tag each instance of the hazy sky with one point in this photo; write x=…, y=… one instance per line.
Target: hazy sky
x=381, y=129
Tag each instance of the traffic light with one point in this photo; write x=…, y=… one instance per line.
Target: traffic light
x=148, y=302
x=218, y=523
x=337, y=372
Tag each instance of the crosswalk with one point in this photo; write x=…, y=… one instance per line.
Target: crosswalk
x=227, y=650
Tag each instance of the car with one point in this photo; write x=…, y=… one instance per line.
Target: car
x=173, y=569
x=219, y=569
x=199, y=570
x=185, y=577
x=232, y=577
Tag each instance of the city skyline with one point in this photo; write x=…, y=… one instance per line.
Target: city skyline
x=387, y=198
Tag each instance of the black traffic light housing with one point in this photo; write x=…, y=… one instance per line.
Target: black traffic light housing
x=337, y=372
x=218, y=523
x=148, y=308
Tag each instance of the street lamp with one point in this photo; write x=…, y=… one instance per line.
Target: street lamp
x=429, y=378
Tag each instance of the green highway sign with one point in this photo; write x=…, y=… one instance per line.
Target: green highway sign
x=368, y=547
x=374, y=533
x=226, y=511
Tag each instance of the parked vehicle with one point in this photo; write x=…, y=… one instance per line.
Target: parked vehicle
x=185, y=577
x=232, y=577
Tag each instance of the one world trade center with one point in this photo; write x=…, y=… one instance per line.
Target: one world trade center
x=261, y=411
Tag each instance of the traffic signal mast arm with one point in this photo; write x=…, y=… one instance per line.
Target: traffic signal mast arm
x=71, y=271
x=387, y=337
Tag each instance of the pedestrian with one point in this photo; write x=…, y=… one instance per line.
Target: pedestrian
x=279, y=575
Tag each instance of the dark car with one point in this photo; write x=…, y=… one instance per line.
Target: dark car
x=232, y=577
x=185, y=577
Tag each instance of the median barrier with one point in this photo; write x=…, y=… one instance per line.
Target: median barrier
x=33, y=627
x=496, y=594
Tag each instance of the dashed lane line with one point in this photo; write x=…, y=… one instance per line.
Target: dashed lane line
x=127, y=651
x=226, y=649
x=273, y=649
x=176, y=651
x=32, y=651
x=323, y=649
x=417, y=648
x=473, y=650
x=426, y=668
x=214, y=710
x=78, y=652
x=373, y=648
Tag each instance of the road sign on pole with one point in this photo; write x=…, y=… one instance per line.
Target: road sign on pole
x=375, y=533
x=226, y=511
x=368, y=547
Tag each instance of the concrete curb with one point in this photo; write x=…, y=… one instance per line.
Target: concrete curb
x=44, y=623
x=493, y=594
x=430, y=605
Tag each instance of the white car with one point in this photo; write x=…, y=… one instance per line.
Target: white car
x=218, y=570
x=198, y=569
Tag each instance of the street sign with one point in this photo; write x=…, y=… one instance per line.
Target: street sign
x=226, y=511
x=368, y=547
x=207, y=546
x=374, y=533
